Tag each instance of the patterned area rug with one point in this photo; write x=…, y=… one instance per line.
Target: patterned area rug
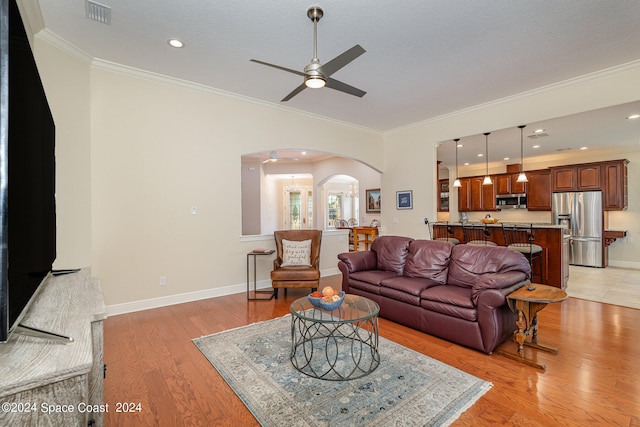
x=407, y=389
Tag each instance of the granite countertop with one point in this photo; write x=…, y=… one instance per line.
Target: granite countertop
x=499, y=224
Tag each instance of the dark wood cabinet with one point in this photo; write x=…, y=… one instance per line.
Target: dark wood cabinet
x=609, y=176
x=503, y=184
x=507, y=183
x=443, y=195
x=588, y=177
x=563, y=178
x=583, y=177
x=539, y=190
x=474, y=196
x=615, y=185
x=464, y=195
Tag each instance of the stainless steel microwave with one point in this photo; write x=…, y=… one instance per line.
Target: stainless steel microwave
x=511, y=201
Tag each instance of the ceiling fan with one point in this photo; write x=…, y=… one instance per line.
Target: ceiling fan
x=317, y=75
x=274, y=157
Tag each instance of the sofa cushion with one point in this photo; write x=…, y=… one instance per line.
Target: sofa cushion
x=409, y=285
x=375, y=277
x=447, y=294
x=469, y=263
x=392, y=252
x=470, y=314
x=428, y=259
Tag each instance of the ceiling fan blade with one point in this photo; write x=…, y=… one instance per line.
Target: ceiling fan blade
x=341, y=60
x=294, y=92
x=300, y=73
x=343, y=87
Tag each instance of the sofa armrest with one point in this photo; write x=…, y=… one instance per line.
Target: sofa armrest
x=497, y=281
x=359, y=261
x=492, y=298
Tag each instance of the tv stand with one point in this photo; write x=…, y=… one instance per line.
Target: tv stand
x=39, y=333
x=38, y=372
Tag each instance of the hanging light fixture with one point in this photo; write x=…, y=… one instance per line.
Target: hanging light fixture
x=487, y=178
x=457, y=183
x=521, y=176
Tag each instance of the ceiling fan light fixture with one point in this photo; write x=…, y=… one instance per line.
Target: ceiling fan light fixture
x=314, y=82
x=313, y=78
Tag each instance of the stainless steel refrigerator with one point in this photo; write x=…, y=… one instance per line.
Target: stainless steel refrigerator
x=581, y=212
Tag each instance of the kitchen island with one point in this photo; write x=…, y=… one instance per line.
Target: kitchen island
x=555, y=267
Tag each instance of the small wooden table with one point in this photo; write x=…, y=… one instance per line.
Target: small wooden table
x=526, y=304
x=369, y=233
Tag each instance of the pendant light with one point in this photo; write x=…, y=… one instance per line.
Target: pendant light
x=521, y=176
x=487, y=178
x=457, y=183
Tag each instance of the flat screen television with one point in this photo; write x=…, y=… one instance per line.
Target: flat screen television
x=27, y=174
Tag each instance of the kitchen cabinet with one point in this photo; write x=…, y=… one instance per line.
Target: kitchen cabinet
x=615, y=185
x=464, y=195
x=508, y=184
x=475, y=197
x=539, y=190
x=576, y=177
x=443, y=195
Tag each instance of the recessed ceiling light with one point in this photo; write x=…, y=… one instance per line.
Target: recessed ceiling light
x=538, y=131
x=506, y=158
x=175, y=43
x=467, y=163
x=480, y=155
x=583, y=148
x=633, y=116
x=535, y=146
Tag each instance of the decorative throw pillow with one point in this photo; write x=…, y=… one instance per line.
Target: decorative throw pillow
x=296, y=252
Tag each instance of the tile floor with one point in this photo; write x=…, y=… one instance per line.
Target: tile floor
x=612, y=285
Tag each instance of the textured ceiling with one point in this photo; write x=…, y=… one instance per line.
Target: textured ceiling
x=423, y=58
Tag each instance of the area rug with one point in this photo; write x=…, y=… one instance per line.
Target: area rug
x=407, y=389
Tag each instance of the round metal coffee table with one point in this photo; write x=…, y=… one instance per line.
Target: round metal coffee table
x=335, y=345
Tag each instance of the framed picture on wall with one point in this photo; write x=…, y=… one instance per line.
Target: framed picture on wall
x=373, y=200
x=404, y=199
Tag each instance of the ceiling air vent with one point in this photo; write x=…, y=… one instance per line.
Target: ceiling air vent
x=537, y=135
x=98, y=12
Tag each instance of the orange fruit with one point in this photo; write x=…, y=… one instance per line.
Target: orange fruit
x=328, y=291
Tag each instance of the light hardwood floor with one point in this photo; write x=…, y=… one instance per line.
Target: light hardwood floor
x=593, y=380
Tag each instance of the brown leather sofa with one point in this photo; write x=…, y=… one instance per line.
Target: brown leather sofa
x=457, y=293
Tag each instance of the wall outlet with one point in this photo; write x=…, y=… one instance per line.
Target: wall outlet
x=163, y=280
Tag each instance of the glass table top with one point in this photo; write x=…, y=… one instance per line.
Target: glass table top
x=354, y=308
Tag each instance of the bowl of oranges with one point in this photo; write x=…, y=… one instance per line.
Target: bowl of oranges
x=327, y=299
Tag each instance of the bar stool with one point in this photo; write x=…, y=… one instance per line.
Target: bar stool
x=442, y=231
x=520, y=238
x=476, y=235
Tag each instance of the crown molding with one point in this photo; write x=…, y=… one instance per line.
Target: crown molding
x=59, y=43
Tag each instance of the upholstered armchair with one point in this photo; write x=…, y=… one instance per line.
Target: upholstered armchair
x=297, y=264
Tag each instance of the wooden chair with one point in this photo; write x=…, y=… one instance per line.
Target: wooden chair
x=290, y=270
x=520, y=238
x=476, y=235
x=442, y=231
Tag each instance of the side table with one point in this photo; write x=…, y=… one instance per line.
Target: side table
x=526, y=304
x=254, y=294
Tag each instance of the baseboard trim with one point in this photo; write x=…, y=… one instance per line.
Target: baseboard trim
x=624, y=264
x=148, y=304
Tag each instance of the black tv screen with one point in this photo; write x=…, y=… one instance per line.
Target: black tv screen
x=27, y=172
